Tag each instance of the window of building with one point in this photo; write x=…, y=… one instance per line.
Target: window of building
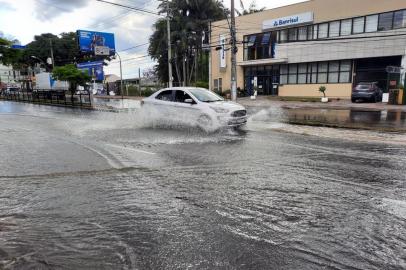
x=302, y=73
x=258, y=46
x=283, y=74
x=323, y=30
x=345, y=71
x=302, y=33
x=333, y=71
x=292, y=34
x=385, y=21
x=216, y=85
x=310, y=32
x=283, y=36
x=399, y=19
x=358, y=25
x=220, y=84
x=322, y=72
x=292, y=74
x=334, y=30
x=346, y=26
x=371, y=24
x=315, y=31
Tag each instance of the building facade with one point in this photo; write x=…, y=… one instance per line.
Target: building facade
x=292, y=50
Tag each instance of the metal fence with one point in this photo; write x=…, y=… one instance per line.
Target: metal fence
x=49, y=97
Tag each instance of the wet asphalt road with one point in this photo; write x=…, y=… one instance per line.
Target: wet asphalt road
x=97, y=190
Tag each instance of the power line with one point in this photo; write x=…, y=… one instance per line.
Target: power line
x=132, y=8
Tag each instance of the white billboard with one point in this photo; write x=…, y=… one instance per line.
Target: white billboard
x=222, y=51
x=301, y=18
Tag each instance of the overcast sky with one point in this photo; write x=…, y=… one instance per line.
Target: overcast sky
x=23, y=19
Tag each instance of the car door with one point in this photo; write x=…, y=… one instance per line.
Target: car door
x=162, y=105
x=185, y=112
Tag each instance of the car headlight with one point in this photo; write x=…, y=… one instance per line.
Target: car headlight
x=220, y=110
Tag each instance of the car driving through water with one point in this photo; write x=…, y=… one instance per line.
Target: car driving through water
x=195, y=106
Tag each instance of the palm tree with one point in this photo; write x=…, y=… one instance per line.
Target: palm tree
x=252, y=9
x=189, y=22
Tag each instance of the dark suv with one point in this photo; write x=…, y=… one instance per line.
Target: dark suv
x=368, y=91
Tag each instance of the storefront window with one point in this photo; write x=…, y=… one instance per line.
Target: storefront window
x=358, y=25
x=346, y=27
x=283, y=74
x=322, y=72
x=345, y=71
x=334, y=30
x=292, y=74
x=385, y=21
x=399, y=20
x=323, y=30
x=371, y=24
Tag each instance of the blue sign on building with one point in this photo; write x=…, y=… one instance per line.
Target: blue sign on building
x=94, y=69
x=91, y=42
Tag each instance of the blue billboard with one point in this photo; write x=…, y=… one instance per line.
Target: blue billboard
x=94, y=69
x=96, y=43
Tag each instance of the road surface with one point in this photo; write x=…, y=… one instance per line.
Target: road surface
x=100, y=190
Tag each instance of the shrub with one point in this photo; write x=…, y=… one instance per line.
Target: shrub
x=147, y=91
x=323, y=89
x=202, y=84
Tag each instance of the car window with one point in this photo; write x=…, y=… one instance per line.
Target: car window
x=165, y=95
x=181, y=96
x=204, y=95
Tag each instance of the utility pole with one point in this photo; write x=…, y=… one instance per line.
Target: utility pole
x=233, y=55
x=210, y=75
x=168, y=26
x=52, y=54
x=139, y=80
x=121, y=77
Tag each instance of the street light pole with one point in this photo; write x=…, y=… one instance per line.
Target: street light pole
x=121, y=77
x=52, y=54
x=233, y=55
x=168, y=26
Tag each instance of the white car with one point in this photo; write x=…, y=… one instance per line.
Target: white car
x=195, y=106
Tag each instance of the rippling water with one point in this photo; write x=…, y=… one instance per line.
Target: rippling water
x=97, y=191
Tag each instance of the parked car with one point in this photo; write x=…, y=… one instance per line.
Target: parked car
x=11, y=90
x=367, y=91
x=195, y=106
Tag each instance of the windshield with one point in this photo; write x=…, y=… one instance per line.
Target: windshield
x=204, y=95
x=363, y=86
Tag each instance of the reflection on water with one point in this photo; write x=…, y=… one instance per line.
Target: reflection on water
x=348, y=118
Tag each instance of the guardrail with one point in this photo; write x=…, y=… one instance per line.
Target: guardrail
x=49, y=97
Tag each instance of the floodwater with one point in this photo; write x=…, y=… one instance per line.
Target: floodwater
x=99, y=190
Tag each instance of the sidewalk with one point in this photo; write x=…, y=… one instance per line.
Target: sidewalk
x=265, y=101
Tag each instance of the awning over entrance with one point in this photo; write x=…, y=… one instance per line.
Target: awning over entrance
x=262, y=62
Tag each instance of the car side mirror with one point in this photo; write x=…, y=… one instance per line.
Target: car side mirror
x=189, y=100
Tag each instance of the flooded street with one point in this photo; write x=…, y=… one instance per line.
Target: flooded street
x=101, y=190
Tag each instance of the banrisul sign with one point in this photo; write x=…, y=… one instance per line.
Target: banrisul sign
x=301, y=18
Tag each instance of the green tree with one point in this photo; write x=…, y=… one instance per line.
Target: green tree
x=9, y=56
x=189, y=22
x=65, y=50
x=71, y=74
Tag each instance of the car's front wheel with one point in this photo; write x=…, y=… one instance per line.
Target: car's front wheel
x=205, y=122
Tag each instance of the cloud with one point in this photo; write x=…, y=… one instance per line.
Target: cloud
x=4, y=6
x=49, y=9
